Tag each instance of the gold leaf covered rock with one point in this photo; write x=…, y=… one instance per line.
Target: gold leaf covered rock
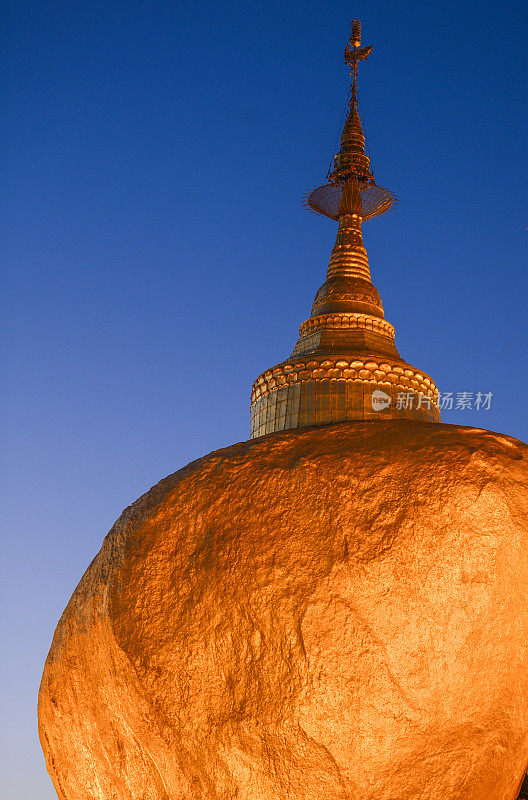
x=333, y=613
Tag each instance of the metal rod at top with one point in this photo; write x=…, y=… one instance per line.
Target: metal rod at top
x=355, y=33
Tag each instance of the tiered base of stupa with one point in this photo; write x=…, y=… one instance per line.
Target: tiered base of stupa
x=321, y=389
x=345, y=365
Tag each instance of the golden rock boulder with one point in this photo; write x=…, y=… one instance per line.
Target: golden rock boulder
x=332, y=613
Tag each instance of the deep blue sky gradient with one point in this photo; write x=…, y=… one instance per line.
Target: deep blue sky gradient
x=156, y=254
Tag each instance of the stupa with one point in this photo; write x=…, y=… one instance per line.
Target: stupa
x=345, y=365
x=334, y=609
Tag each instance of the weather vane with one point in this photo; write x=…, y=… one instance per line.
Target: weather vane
x=357, y=53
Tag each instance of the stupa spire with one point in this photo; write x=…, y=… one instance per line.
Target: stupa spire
x=345, y=365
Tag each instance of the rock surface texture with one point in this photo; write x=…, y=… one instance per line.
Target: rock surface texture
x=339, y=612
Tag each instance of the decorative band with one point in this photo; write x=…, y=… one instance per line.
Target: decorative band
x=380, y=372
x=366, y=322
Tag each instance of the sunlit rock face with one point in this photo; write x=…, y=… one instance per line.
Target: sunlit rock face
x=339, y=612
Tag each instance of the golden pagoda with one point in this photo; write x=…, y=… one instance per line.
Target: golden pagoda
x=338, y=611
x=345, y=365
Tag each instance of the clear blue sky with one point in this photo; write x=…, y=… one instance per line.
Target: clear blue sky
x=157, y=257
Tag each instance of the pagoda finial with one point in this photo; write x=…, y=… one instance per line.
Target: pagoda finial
x=351, y=188
x=352, y=162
